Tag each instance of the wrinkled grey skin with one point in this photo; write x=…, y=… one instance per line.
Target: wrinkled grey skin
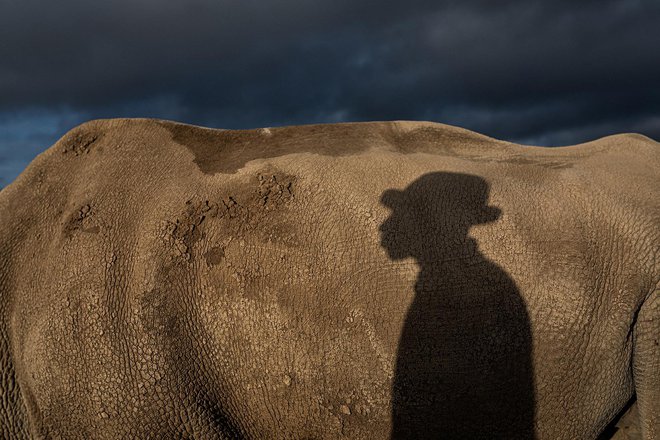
x=344, y=281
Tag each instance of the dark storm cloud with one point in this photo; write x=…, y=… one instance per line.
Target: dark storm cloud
x=549, y=72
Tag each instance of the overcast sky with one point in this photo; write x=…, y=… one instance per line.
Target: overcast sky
x=552, y=72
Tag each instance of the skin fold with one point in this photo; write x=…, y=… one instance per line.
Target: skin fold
x=370, y=280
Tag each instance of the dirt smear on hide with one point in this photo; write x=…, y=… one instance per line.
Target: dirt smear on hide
x=227, y=151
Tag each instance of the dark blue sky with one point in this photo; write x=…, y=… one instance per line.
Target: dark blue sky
x=549, y=72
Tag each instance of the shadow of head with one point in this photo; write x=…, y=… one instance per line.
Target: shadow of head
x=436, y=209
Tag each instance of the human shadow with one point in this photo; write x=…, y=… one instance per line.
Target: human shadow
x=463, y=366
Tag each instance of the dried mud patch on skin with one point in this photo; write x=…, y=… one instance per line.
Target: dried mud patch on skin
x=214, y=255
x=273, y=192
x=80, y=220
x=257, y=208
x=79, y=142
x=182, y=233
x=157, y=310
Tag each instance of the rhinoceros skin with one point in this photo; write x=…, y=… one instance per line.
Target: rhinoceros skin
x=368, y=280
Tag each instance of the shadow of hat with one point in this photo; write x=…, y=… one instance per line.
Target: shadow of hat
x=471, y=194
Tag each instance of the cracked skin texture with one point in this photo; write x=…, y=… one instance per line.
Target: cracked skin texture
x=372, y=280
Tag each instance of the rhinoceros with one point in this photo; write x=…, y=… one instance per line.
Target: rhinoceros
x=357, y=280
